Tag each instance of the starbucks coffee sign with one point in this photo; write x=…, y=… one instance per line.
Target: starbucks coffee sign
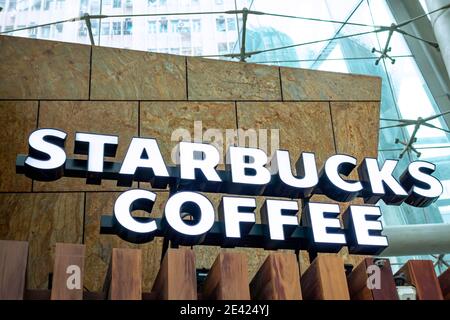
x=189, y=216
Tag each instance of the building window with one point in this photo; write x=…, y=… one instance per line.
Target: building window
x=151, y=26
x=36, y=5
x=163, y=50
x=186, y=51
x=231, y=24
x=117, y=28
x=219, y=2
x=162, y=2
x=94, y=26
x=32, y=33
x=83, y=7
x=175, y=50
x=196, y=25
x=151, y=2
x=105, y=28
x=173, y=25
x=82, y=30
x=163, y=25
x=220, y=24
x=12, y=5
x=222, y=47
x=117, y=4
x=198, y=51
x=47, y=4
x=59, y=27
x=45, y=32
x=129, y=4
x=127, y=26
x=184, y=26
x=60, y=4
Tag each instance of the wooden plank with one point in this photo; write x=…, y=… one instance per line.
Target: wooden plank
x=126, y=274
x=384, y=290
x=13, y=266
x=228, y=278
x=420, y=273
x=325, y=279
x=69, y=263
x=444, y=282
x=176, y=279
x=277, y=279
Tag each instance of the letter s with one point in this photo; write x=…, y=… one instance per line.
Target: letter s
x=46, y=157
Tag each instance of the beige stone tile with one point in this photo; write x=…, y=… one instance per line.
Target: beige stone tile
x=218, y=80
x=99, y=246
x=119, y=74
x=42, y=219
x=43, y=69
x=303, y=126
x=116, y=118
x=17, y=120
x=305, y=84
x=356, y=127
x=165, y=121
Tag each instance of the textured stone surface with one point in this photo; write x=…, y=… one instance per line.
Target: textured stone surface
x=99, y=246
x=119, y=74
x=37, y=69
x=355, y=127
x=42, y=219
x=17, y=120
x=218, y=80
x=166, y=121
x=303, y=126
x=117, y=118
x=304, y=84
x=205, y=255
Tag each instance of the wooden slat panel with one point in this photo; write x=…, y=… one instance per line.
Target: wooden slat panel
x=420, y=273
x=277, y=279
x=228, y=278
x=444, y=282
x=67, y=255
x=176, y=279
x=325, y=279
x=357, y=282
x=13, y=266
x=126, y=274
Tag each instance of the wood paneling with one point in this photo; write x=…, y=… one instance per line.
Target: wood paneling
x=420, y=273
x=68, y=255
x=325, y=279
x=358, y=287
x=99, y=246
x=126, y=274
x=13, y=265
x=227, y=279
x=176, y=279
x=444, y=282
x=277, y=279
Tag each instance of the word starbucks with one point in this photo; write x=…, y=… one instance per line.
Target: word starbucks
x=189, y=216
